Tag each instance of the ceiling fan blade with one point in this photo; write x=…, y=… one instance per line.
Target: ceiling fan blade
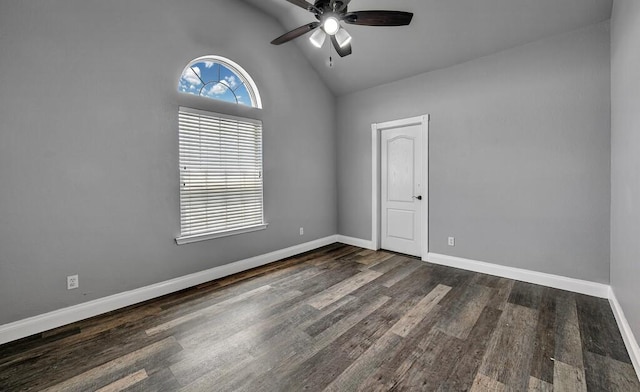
x=342, y=51
x=378, y=18
x=303, y=4
x=295, y=33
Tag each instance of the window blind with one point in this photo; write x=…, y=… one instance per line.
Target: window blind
x=221, y=188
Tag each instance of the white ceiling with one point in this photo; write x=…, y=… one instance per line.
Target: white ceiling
x=442, y=33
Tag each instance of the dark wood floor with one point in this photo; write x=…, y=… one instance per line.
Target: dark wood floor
x=337, y=319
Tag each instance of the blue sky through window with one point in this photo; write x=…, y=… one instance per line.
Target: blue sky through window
x=213, y=80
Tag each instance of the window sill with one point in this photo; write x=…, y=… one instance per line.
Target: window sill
x=203, y=237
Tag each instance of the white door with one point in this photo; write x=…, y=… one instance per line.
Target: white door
x=401, y=189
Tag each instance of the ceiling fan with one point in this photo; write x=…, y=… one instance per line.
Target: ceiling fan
x=330, y=13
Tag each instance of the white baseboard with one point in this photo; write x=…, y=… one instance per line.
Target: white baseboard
x=355, y=242
x=556, y=281
x=627, y=334
x=57, y=318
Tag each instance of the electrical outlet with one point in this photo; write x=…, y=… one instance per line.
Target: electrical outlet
x=72, y=282
x=302, y=231
x=452, y=241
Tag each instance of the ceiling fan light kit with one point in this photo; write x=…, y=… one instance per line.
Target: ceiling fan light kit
x=330, y=13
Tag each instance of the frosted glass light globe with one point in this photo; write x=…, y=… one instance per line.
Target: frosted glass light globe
x=331, y=25
x=317, y=38
x=343, y=37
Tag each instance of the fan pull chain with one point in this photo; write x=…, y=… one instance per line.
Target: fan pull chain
x=330, y=64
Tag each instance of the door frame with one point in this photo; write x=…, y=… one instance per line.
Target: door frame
x=376, y=132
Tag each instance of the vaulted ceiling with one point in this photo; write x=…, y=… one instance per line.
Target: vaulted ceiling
x=442, y=33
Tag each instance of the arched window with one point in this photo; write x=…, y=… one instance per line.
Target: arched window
x=220, y=156
x=219, y=78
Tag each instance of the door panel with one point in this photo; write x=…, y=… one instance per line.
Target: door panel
x=400, y=169
x=401, y=224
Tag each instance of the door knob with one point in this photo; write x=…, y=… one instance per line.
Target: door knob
x=418, y=197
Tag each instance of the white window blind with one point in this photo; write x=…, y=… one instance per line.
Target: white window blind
x=220, y=175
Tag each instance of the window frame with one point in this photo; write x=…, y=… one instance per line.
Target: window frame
x=249, y=83
x=230, y=111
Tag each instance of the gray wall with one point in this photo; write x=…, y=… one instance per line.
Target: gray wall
x=519, y=154
x=88, y=144
x=625, y=154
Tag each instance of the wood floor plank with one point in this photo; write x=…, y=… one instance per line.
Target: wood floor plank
x=494, y=282
x=69, y=357
x=416, y=285
x=297, y=280
x=537, y=385
x=605, y=373
x=206, y=311
x=125, y=382
x=295, y=371
x=390, y=263
x=335, y=254
x=117, y=320
x=449, y=276
x=602, y=336
x=326, y=318
x=334, y=293
x=88, y=380
x=421, y=346
x=83, y=331
x=349, y=304
x=398, y=273
x=332, y=273
x=435, y=364
x=509, y=353
x=526, y=294
x=568, y=344
x=461, y=313
x=568, y=378
x=236, y=368
x=159, y=381
x=542, y=361
x=261, y=312
x=417, y=313
x=360, y=338
x=281, y=347
x=501, y=296
x=365, y=365
x=247, y=280
x=467, y=364
x=366, y=252
x=18, y=350
x=483, y=383
x=368, y=329
x=389, y=375
x=373, y=259
x=237, y=348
